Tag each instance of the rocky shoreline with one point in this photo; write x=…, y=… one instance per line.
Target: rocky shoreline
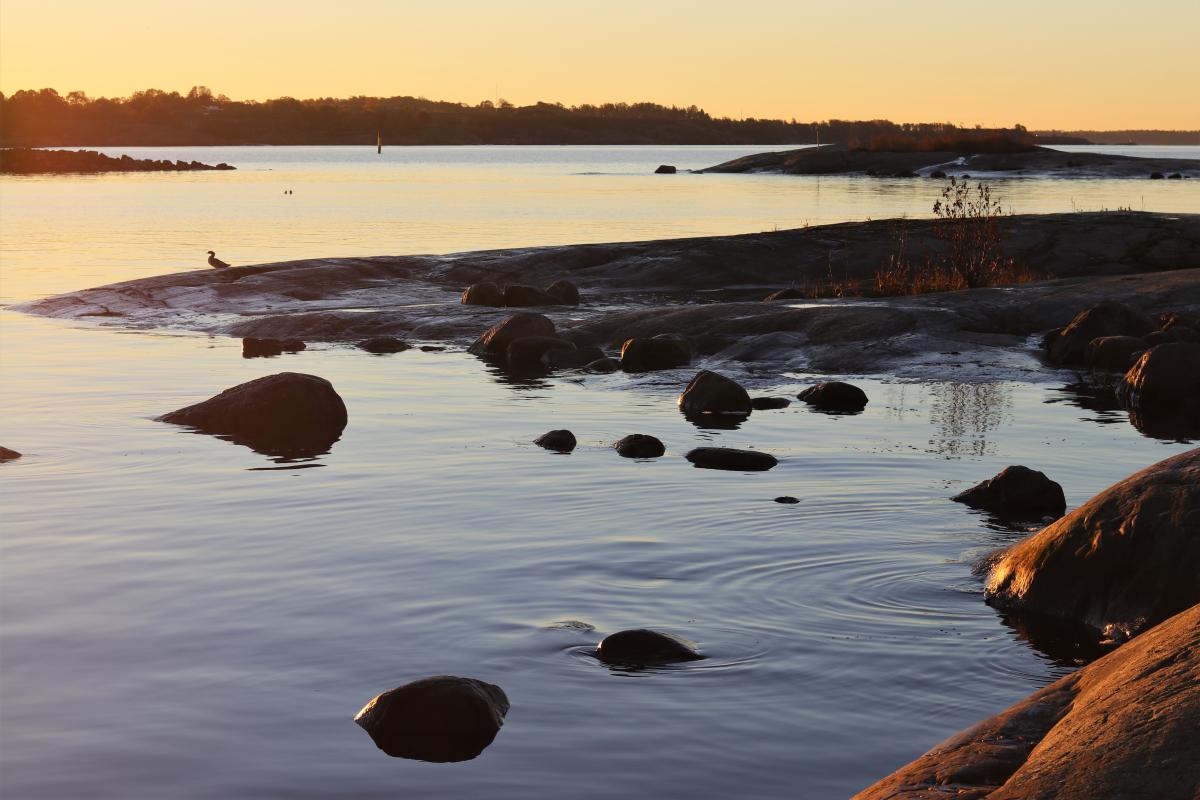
x=29, y=161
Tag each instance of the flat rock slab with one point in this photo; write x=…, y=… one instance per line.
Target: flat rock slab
x=732, y=459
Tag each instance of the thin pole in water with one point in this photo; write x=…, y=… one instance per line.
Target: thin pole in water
x=379, y=142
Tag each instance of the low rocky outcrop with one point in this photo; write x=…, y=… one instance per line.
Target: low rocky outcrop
x=1114, y=353
x=729, y=458
x=769, y=403
x=8, y=455
x=665, y=351
x=518, y=295
x=565, y=292
x=29, y=161
x=574, y=358
x=1122, y=561
x=712, y=393
x=383, y=345
x=1017, y=493
x=1108, y=318
x=642, y=647
x=528, y=351
x=261, y=348
x=483, y=294
x=639, y=445
x=1122, y=727
x=286, y=414
x=835, y=397
x=496, y=339
x=562, y=440
x=440, y=719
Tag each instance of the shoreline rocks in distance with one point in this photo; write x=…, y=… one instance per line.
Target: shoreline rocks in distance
x=440, y=719
x=513, y=295
x=33, y=161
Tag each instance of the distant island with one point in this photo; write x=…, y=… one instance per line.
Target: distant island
x=44, y=118
x=26, y=161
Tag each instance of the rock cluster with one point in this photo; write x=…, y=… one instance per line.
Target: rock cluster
x=487, y=293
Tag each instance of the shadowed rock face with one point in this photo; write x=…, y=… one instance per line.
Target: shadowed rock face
x=562, y=440
x=261, y=348
x=571, y=358
x=1114, y=353
x=1017, y=493
x=1124, y=560
x=528, y=351
x=1165, y=376
x=496, y=339
x=1109, y=318
x=835, y=397
x=440, y=719
x=1121, y=727
x=711, y=393
x=517, y=295
x=286, y=414
x=565, y=292
x=665, y=351
x=769, y=403
x=486, y=293
x=642, y=647
x=731, y=459
x=639, y=445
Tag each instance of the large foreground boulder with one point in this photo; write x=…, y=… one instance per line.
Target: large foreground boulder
x=496, y=339
x=643, y=647
x=711, y=393
x=1122, y=561
x=288, y=413
x=441, y=719
x=659, y=352
x=1124, y=727
x=1109, y=318
x=1017, y=493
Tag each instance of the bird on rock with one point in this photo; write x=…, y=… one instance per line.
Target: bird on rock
x=215, y=262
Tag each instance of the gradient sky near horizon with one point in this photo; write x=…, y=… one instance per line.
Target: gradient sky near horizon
x=1068, y=64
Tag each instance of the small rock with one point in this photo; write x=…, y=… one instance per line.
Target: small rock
x=787, y=499
x=712, y=393
x=561, y=440
x=1175, y=176
x=666, y=351
x=731, y=459
x=1156, y=176
x=440, y=719
x=483, y=294
x=8, y=455
x=261, y=348
x=565, y=292
x=767, y=403
x=937, y=173
x=517, y=295
x=835, y=397
x=665, y=169
x=603, y=365
x=1108, y=318
x=382, y=345
x=1017, y=493
x=641, y=647
x=1114, y=353
x=496, y=339
x=293, y=345
x=572, y=359
x=432, y=348
x=639, y=445
x=527, y=352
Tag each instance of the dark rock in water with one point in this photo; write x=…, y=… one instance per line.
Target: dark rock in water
x=788, y=500
x=1017, y=493
x=561, y=440
x=904, y=173
x=496, y=339
x=1165, y=376
x=1114, y=353
x=603, y=365
x=639, y=445
x=665, y=169
x=432, y=348
x=731, y=459
x=1175, y=176
x=382, y=345
x=1125, y=560
x=8, y=455
x=293, y=345
x=517, y=295
x=439, y=719
x=1173, y=422
x=711, y=393
x=527, y=352
x=261, y=348
x=565, y=292
x=767, y=403
x=571, y=359
x=1121, y=727
x=641, y=647
x=835, y=397
x=483, y=294
x=790, y=293
x=288, y=413
x=937, y=173
x=1108, y=318
x=1156, y=176
x=660, y=352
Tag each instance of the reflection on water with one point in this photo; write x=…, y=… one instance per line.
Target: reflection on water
x=966, y=415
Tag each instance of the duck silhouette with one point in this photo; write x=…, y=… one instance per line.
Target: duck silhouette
x=215, y=262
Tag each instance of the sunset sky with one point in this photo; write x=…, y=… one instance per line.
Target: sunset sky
x=1061, y=64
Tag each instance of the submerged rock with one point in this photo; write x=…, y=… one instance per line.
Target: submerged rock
x=565, y=292
x=440, y=719
x=835, y=397
x=666, y=351
x=383, y=345
x=483, y=294
x=288, y=413
x=1122, y=727
x=767, y=403
x=639, y=445
x=561, y=440
x=787, y=500
x=731, y=459
x=1122, y=561
x=603, y=365
x=1017, y=493
x=712, y=393
x=642, y=647
x=496, y=339
x=1114, y=353
x=261, y=348
x=1108, y=318
x=518, y=295
x=528, y=351
x=8, y=455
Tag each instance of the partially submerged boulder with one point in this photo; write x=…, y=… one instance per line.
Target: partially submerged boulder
x=288, y=413
x=768, y=403
x=729, y=458
x=835, y=397
x=1122, y=561
x=1114, y=353
x=483, y=294
x=8, y=455
x=383, y=345
x=711, y=393
x=518, y=295
x=496, y=339
x=528, y=351
x=639, y=445
x=643, y=647
x=565, y=292
x=1017, y=493
x=665, y=351
x=440, y=719
x=1108, y=318
x=562, y=440
x=1122, y=727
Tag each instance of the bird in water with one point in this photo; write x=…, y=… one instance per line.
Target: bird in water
x=215, y=262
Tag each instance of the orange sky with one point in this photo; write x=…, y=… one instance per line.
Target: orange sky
x=1050, y=64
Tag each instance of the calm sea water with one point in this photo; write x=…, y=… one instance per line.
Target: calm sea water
x=183, y=617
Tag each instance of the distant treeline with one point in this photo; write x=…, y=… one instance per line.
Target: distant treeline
x=1139, y=137
x=153, y=117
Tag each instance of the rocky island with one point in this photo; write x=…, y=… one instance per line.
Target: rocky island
x=31, y=161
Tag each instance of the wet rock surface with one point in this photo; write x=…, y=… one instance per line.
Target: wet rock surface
x=1017, y=493
x=1164, y=376
x=729, y=458
x=835, y=397
x=562, y=440
x=711, y=393
x=440, y=719
x=639, y=445
x=643, y=647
